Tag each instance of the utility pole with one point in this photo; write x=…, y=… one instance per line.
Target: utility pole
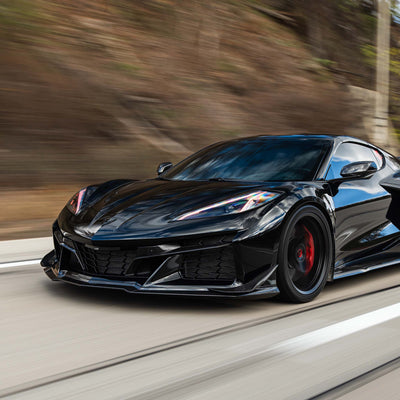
x=382, y=74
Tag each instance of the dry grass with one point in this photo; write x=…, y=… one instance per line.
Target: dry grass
x=28, y=213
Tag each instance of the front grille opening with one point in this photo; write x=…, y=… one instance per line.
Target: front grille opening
x=115, y=263
x=105, y=262
x=214, y=264
x=197, y=267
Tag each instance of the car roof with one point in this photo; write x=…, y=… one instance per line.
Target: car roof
x=333, y=138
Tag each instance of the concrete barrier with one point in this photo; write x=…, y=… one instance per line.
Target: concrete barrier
x=24, y=249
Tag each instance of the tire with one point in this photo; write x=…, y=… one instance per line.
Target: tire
x=305, y=255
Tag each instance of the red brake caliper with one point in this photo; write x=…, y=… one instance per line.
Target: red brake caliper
x=310, y=250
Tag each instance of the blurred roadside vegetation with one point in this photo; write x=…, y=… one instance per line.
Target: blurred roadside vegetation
x=93, y=90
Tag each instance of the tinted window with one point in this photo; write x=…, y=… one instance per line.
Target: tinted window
x=348, y=153
x=261, y=159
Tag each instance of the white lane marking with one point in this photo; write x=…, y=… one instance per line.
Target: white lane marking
x=327, y=334
x=24, y=242
x=342, y=329
x=19, y=263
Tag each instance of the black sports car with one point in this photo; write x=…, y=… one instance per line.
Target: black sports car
x=253, y=216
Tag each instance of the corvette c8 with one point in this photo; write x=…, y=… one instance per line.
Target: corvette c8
x=249, y=217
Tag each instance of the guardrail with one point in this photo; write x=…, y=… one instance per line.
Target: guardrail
x=24, y=249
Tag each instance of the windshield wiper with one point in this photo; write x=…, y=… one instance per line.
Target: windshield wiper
x=216, y=180
x=219, y=179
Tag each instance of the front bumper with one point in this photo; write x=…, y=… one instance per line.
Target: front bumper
x=207, y=266
x=257, y=288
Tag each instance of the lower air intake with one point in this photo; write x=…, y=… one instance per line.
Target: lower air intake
x=214, y=264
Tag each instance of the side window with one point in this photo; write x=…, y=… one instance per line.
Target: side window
x=348, y=153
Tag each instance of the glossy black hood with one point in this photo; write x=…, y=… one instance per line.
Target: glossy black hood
x=147, y=209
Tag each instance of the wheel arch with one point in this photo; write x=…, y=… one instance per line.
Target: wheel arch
x=317, y=203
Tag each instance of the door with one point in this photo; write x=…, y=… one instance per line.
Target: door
x=364, y=236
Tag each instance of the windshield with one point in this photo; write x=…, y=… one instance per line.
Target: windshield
x=261, y=159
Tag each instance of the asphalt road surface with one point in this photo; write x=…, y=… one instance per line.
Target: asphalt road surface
x=60, y=341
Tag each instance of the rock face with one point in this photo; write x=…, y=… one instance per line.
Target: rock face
x=365, y=99
x=104, y=89
x=96, y=90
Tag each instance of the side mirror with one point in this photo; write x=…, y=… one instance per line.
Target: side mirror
x=360, y=169
x=163, y=167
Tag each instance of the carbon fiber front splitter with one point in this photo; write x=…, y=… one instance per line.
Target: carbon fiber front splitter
x=257, y=287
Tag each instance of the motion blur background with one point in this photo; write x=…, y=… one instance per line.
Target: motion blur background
x=92, y=90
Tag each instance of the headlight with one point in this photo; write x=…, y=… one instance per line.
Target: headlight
x=231, y=206
x=78, y=200
x=75, y=204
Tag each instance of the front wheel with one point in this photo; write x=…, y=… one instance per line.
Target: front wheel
x=305, y=255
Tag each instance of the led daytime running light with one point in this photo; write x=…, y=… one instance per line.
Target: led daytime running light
x=253, y=199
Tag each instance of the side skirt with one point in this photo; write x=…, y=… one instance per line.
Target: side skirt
x=359, y=271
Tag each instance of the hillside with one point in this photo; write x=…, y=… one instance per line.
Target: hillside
x=110, y=88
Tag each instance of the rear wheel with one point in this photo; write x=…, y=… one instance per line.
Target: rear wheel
x=305, y=255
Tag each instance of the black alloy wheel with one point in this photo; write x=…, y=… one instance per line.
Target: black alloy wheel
x=305, y=255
